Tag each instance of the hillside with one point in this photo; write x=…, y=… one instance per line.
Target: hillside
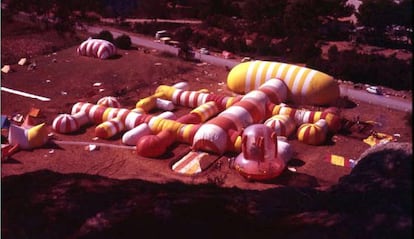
x=63, y=189
x=67, y=78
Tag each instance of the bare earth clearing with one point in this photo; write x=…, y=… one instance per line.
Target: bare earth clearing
x=64, y=191
x=67, y=78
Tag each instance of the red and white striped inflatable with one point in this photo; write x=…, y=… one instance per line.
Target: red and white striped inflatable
x=213, y=136
x=109, y=101
x=98, y=48
x=65, y=123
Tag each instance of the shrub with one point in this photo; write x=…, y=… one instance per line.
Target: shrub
x=123, y=42
x=333, y=53
x=105, y=35
x=370, y=69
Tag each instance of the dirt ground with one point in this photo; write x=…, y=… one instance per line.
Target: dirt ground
x=67, y=78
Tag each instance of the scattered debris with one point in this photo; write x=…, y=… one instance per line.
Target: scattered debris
x=22, y=61
x=5, y=122
x=157, y=64
x=91, y=147
x=378, y=138
x=201, y=64
x=21, y=93
x=292, y=169
x=194, y=162
x=6, y=69
x=96, y=144
x=34, y=112
x=32, y=66
x=7, y=150
x=341, y=161
x=63, y=93
x=17, y=118
x=97, y=84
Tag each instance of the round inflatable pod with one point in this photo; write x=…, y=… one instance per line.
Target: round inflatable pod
x=313, y=134
x=259, y=158
x=65, y=123
x=98, y=48
x=109, y=101
x=283, y=125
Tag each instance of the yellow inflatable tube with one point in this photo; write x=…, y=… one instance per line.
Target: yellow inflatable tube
x=304, y=85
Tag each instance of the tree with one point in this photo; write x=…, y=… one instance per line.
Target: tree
x=377, y=14
x=123, y=42
x=381, y=16
x=305, y=16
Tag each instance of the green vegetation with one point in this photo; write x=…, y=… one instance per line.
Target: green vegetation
x=105, y=35
x=287, y=30
x=366, y=68
x=123, y=42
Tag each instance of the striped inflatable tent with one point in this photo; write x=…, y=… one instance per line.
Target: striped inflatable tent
x=313, y=134
x=304, y=85
x=98, y=48
x=283, y=125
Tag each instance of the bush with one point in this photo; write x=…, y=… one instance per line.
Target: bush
x=105, y=35
x=370, y=69
x=123, y=42
x=333, y=53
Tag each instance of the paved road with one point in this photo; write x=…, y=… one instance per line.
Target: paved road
x=361, y=95
x=143, y=20
x=163, y=47
x=402, y=105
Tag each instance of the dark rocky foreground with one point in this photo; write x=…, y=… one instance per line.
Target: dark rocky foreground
x=374, y=201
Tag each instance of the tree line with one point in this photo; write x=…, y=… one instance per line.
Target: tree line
x=289, y=29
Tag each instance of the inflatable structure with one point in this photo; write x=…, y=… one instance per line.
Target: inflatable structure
x=259, y=158
x=304, y=85
x=98, y=48
x=248, y=124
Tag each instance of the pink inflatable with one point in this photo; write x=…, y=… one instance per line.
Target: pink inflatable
x=259, y=158
x=98, y=48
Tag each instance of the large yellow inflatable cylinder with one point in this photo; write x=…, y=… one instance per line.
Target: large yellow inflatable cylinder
x=304, y=85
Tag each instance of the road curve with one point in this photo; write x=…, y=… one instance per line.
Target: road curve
x=361, y=95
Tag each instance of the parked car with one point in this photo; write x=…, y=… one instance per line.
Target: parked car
x=227, y=55
x=245, y=59
x=161, y=34
x=374, y=90
x=204, y=51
